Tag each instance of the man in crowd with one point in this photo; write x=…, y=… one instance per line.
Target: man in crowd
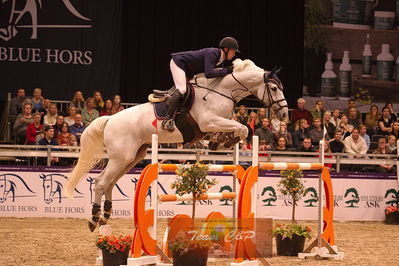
x=16, y=105
x=77, y=128
x=265, y=134
x=354, y=144
x=336, y=145
x=301, y=113
x=363, y=134
x=351, y=104
x=316, y=133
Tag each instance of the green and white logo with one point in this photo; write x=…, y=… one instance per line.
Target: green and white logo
x=226, y=202
x=353, y=196
x=270, y=194
x=314, y=197
x=392, y=196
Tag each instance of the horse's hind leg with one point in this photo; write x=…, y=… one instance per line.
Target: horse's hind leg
x=141, y=153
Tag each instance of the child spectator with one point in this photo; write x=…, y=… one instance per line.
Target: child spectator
x=89, y=113
x=49, y=140
x=117, y=105
x=107, y=110
x=78, y=101
x=33, y=129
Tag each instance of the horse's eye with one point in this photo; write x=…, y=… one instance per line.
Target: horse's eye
x=274, y=88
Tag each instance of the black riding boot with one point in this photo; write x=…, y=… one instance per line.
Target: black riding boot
x=168, y=123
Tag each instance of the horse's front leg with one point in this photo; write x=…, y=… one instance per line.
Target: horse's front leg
x=96, y=209
x=107, y=205
x=220, y=124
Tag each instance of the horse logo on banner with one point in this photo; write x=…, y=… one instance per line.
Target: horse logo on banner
x=8, y=188
x=52, y=187
x=93, y=190
x=19, y=9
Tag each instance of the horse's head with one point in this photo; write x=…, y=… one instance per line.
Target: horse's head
x=3, y=189
x=266, y=86
x=47, y=188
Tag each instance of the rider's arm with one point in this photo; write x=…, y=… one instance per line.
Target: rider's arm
x=210, y=60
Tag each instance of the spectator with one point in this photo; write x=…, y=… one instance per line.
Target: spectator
x=371, y=120
x=265, y=134
x=336, y=144
x=242, y=114
x=263, y=146
x=301, y=113
x=344, y=119
x=78, y=101
x=301, y=133
x=335, y=120
x=352, y=117
x=352, y=104
x=58, y=125
x=395, y=129
x=392, y=144
x=98, y=101
x=261, y=114
x=385, y=122
x=16, y=104
x=22, y=121
x=49, y=140
x=46, y=108
x=317, y=111
x=363, y=134
x=354, y=144
x=77, y=128
x=252, y=125
x=89, y=113
x=117, y=105
x=316, y=133
x=275, y=122
x=283, y=132
x=71, y=114
x=306, y=146
x=37, y=100
x=329, y=127
x=33, y=129
x=392, y=114
x=51, y=117
x=107, y=110
x=281, y=144
x=344, y=128
x=387, y=167
x=65, y=138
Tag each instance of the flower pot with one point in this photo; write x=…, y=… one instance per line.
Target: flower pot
x=392, y=218
x=114, y=259
x=194, y=257
x=290, y=247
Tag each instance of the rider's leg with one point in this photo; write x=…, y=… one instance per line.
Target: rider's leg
x=179, y=78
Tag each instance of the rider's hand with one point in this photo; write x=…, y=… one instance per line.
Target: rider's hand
x=229, y=69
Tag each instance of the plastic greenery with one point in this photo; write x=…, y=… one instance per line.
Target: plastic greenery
x=391, y=209
x=184, y=242
x=290, y=230
x=362, y=96
x=316, y=14
x=114, y=243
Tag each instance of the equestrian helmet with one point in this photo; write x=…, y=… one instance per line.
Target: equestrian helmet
x=229, y=42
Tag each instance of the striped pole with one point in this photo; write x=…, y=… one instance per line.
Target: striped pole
x=290, y=166
x=189, y=197
x=211, y=167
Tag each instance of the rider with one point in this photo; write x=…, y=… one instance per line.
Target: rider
x=184, y=65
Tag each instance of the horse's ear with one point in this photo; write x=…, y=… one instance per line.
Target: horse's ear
x=271, y=73
x=278, y=70
x=42, y=176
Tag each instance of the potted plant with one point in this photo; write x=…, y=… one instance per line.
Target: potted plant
x=187, y=249
x=391, y=215
x=290, y=239
x=115, y=249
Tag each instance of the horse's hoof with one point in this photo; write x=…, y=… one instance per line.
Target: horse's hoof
x=103, y=221
x=222, y=138
x=231, y=142
x=92, y=226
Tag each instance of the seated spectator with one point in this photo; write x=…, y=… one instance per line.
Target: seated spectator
x=336, y=144
x=371, y=120
x=392, y=144
x=385, y=122
x=58, y=125
x=392, y=114
x=317, y=133
x=51, y=117
x=98, y=101
x=283, y=132
x=45, y=109
x=261, y=114
x=395, y=129
x=252, y=125
x=263, y=146
x=281, y=144
x=22, y=121
x=388, y=167
x=65, y=138
x=301, y=113
x=344, y=128
x=107, y=110
x=363, y=134
x=77, y=128
x=301, y=133
x=16, y=105
x=265, y=134
x=117, y=104
x=335, y=120
x=33, y=129
x=48, y=140
x=306, y=146
x=352, y=104
x=274, y=122
x=71, y=114
x=354, y=144
x=37, y=100
x=347, y=126
x=317, y=111
x=242, y=115
x=78, y=101
x=330, y=128
x=353, y=118
x=89, y=113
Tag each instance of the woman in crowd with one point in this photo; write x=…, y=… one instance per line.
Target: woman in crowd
x=51, y=117
x=283, y=132
x=58, y=125
x=71, y=114
x=392, y=114
x=385, y=122
x=335, y=120
x=318, y=111
x=34, y=129
x=98, y=101
x=89, y=113
x=392, y=144
x=252, y=124
x=37, y=100
x=22, y=121
x=281, y=144
x=117, y=105
x=107, y=110
x=395, y=129
x=242, y=115
x=344, y=125
x=371, y=120
x=78, y=101
x=65, y=138
x=301, y=132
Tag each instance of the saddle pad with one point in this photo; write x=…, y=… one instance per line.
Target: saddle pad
x=160, y=110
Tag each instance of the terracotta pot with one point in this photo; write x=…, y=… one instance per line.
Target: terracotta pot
x=114, y=259
x=290, y=247
x=392, y=218
x=194, y=257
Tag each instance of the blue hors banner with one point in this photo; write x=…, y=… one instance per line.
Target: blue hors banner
x=38, y=192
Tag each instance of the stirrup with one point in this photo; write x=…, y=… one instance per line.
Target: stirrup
x=168, y=125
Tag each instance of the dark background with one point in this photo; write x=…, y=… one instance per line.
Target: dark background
x=132, y=41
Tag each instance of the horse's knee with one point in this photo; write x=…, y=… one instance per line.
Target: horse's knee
x=244, y=132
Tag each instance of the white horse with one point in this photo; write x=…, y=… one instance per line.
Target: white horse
x=127, y=134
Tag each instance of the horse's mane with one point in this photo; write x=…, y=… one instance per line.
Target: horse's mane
x=240, y=65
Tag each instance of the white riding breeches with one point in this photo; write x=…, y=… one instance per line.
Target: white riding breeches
x=179, y=77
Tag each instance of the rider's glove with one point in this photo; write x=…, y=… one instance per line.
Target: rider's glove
x=229, y=69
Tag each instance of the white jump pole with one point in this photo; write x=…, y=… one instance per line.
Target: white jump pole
x=321, y=203
x=154, y=185
x=254, y=191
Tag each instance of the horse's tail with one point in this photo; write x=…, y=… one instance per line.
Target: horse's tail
x=91, y=152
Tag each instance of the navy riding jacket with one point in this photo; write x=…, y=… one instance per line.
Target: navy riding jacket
x=200, y=61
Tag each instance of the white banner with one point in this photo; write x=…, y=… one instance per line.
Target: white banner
x=37, y=192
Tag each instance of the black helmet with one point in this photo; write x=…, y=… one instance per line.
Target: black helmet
x=229, y=42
